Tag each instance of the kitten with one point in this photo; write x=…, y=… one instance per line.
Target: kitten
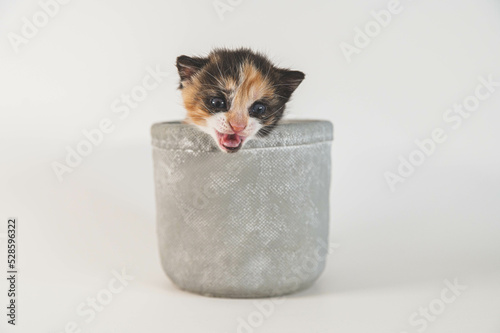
x=235, y=95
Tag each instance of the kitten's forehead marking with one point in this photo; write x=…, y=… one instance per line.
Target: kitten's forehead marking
x=230, y=84
x=252, y=86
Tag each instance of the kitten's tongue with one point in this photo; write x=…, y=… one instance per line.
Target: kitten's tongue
x=231, y=140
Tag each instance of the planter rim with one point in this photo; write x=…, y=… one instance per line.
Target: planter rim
x=175, y=135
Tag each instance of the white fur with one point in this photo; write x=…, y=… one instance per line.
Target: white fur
x=219, y=123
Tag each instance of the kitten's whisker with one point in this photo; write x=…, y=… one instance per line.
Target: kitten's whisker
x=216, y=78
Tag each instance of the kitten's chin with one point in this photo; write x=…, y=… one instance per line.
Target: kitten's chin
x=229, y=143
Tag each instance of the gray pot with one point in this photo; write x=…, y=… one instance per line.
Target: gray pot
x=249, y=224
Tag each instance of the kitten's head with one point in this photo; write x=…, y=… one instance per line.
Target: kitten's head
x=235, y=95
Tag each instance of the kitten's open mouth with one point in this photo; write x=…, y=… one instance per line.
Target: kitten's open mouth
x=230, y=143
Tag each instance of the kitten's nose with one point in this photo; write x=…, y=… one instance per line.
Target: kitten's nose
x=237, y=127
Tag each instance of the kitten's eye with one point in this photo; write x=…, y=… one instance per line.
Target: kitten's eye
x=218, y=103
x=258, y=109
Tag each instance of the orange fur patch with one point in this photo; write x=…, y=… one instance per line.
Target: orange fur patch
x=195, y=114
x=252, y=86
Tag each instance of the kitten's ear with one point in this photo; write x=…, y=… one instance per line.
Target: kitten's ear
x=188, y=66
x=290, y=80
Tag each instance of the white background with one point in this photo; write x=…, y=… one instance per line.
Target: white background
x=396, y=248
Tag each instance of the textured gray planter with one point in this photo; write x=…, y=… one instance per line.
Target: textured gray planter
x=249, y=224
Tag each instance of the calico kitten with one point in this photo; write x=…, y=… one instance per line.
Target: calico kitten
x=235, y=95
